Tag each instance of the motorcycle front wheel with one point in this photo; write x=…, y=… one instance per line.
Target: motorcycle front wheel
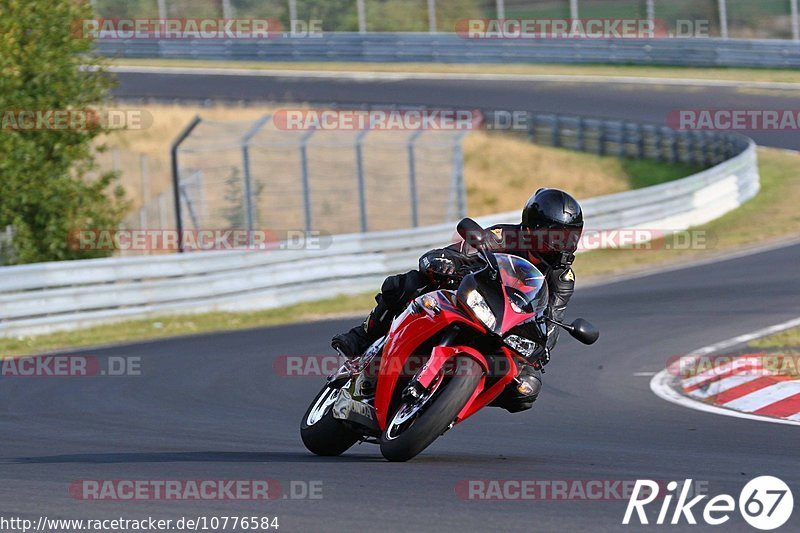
x=323, y=434
x=416, y=424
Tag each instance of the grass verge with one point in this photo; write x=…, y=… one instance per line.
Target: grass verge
x=772, y=214
x=731, y=74
x=783, y=350
x=785, y=339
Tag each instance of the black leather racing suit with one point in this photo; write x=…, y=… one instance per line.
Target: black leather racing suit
x=397, y=291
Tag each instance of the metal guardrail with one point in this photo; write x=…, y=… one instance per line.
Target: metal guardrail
x=45, y=297
x=451, y=48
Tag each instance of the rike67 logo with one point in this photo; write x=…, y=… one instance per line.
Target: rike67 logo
x=765, y=503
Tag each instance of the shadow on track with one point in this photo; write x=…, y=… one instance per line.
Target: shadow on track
x=250, y=457
x=190, y=457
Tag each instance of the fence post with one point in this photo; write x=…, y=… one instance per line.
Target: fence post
x=227, y=9
x=162, y=9
x=292, y=15
x=162, y=211
x=501, y=9
x=795, y=20
x=723, y=18
x=176, y=176
x=412, y=178
x=460, y=190
x=431, y=16
x=362, y=192
x=362, y=16
x=145, y=182
x=247, y=176
x=651, y=9
x=304, y=178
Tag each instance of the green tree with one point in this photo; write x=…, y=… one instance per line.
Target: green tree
x=44, y=174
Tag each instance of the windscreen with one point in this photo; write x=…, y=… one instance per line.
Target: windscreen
x=525, y=285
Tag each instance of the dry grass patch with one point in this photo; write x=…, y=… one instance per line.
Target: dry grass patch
x=501, y=170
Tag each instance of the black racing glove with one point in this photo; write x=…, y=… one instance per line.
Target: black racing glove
x=443, y=267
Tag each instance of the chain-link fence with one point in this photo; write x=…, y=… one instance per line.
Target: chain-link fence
x=775, y=19
x=255, y=175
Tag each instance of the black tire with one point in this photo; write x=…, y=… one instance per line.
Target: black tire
x=327, y=436
x=434, y=420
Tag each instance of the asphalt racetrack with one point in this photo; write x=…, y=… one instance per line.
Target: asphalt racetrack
x=642, y=103
x=213, y=407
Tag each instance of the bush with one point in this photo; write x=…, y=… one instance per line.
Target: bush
x=46, y=190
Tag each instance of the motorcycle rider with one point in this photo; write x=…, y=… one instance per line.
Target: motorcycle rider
x=548, y=235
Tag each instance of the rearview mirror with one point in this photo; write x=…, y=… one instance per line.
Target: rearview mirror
x=583, y=331
x=471, y=232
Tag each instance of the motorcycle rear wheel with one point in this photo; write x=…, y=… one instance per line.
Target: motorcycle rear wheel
x=323, y=434
x=402, y=441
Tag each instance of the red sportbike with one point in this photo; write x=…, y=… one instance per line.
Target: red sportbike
x=448, y=355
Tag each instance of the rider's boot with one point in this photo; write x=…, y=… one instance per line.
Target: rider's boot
x=356, y=341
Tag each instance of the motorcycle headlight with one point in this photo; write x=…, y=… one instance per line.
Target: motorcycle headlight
x=521, y=345
x=478, y=304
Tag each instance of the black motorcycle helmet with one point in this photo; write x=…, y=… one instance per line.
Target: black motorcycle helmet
x=555, y=222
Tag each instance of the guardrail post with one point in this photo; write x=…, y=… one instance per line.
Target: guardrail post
x=501, y=9
x=795, y=21
x=531, y=127
x=673, y=147
x=556, y=133
x=412, y=178
x=362, y=193
x=176, y=189
x=601, y=137
x=304, y=178
x=658, y=141
x=247, y=176
x=639, y=141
